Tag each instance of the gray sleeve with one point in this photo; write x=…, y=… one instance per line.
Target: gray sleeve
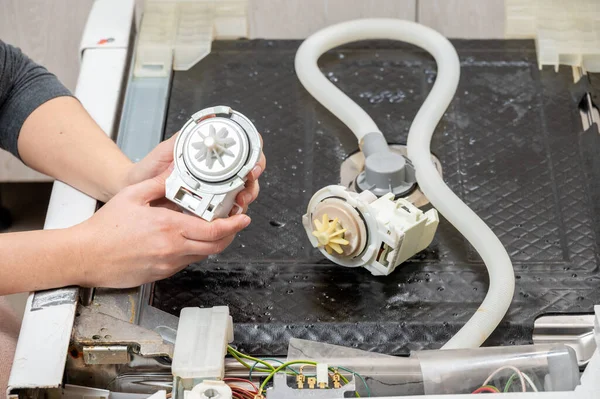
x=24, y=86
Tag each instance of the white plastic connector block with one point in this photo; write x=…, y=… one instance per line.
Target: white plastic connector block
x=201, y=345
x=404, y=228
x=177, y=34
x=396, y=229
x=565, y=31
x=322, y=375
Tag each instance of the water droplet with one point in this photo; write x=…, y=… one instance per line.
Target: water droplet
x=573, y=275
x=440, y=288
x=289, y=292
x=267, y=314
x=341, y=56
x=471, y=141
x=474, y=288
x=276, y=223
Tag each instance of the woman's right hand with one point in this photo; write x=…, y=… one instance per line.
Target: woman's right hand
x=128, y=242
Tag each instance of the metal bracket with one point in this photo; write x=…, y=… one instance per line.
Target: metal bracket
x=576, y=331
x=113, y=354
x=95, y=329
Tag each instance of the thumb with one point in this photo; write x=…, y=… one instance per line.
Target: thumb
x=153, y=188
x=164, y=151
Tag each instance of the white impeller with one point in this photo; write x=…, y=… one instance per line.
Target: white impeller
x=214, y=146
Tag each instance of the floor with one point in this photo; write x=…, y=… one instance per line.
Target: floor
x=27, y=203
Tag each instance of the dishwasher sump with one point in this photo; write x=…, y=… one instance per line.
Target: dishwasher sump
x=511, y=145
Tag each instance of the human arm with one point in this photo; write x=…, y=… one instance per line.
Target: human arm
x=128, y=242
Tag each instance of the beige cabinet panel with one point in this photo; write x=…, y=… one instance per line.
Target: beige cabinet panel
x=468, y=19
x=297, y=19
x=344, y=10
x=48, y=31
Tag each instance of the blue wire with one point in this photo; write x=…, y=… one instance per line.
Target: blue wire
x=359, y=376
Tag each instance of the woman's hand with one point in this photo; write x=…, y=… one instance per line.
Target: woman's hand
x=161, y=158
x=128, y=242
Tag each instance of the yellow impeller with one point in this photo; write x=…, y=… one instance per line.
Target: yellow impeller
x=330, y=235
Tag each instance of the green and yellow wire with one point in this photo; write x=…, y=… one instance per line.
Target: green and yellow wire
x=241, y=357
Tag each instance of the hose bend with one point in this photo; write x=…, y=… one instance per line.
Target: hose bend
x=499, y=266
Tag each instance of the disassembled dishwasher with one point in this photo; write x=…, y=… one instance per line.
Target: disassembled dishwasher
x=120, y=346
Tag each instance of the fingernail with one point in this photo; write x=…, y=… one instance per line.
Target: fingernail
x=256, y=172
x=245, y=220
x=247, y=197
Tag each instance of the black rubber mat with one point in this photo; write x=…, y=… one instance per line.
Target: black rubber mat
x=511, y=146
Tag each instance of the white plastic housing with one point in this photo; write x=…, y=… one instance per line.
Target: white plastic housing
x=207, y=185
x=396, y=230
x=201, y=344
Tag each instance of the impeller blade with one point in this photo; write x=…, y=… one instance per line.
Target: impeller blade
x=336, y=247
x=318, y=224
x=340, y=241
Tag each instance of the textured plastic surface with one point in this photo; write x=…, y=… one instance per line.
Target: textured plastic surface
x=566, y=31
x=510, y=146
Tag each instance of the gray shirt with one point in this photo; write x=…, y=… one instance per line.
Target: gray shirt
x=24, y=86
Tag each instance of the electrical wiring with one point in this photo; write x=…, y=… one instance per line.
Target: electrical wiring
x=239, y=356
x=530, y=382
x=526, y=377
x=241, y=380
x=517, y=372
x=283, y=367
x=273, y=360
x=359, y=376
x=487, y=388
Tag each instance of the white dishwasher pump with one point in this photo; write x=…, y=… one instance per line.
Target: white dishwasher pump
x=353, y=229
x=215, y=151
